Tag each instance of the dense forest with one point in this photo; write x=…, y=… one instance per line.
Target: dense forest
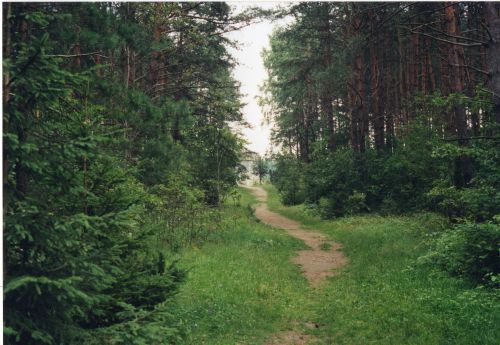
x=116, y=142
x=120, y=159
x=393, y=108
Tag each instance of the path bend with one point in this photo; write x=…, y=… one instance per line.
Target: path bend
x=321, y=260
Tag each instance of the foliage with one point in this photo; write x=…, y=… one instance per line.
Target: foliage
x=367, y=117
x=480, y=201
x=469, y=250
x=177, y=215
x=383, y=296
x=260, y=168
x=288, y=179
x=117, y=150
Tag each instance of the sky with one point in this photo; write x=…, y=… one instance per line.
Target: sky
x=250, y=72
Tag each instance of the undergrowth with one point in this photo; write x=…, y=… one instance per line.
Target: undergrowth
x=384, y=296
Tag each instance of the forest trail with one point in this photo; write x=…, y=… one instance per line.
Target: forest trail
x=323, y=255
x=317, y=262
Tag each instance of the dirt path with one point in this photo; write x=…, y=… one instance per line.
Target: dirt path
x=317, y=262
x=323, y=257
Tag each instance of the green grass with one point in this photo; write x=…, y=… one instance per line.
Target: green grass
x=384, y=297
x=241, y=287
x=325, y=246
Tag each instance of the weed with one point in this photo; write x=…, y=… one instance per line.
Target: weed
x=325, y=246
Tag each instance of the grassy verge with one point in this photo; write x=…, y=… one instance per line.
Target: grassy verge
x=384, y=297
x=241, y=286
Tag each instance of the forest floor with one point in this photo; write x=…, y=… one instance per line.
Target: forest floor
x=319, y=261
x=322, y=256
x=244, y=286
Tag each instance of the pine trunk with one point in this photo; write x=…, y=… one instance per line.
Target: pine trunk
x=463, y=164
x=492, y=16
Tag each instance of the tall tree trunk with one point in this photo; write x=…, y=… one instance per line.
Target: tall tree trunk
x=492, y=16
x=463, y=164
x=448, y=123
x=474, y=76
x=77, y=50
x=180, y=92
x=403, y=85
x=414, y=63
x=356, y=106
x=154, y=66
x=6, y=82
x=375, y=87
x=391, y=108
x=308, y=114
x=326, y=93
x=430, y=68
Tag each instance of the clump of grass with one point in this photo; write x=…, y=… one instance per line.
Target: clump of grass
x=325, y=246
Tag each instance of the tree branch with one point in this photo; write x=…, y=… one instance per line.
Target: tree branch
x=471, y=138
x=471, y=67
x=77, y=55
x=448, y=41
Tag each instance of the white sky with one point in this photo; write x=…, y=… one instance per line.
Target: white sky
x=251, y=73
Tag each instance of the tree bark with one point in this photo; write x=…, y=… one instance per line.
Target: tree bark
x=155, y=55
x=356, y=107
x=463, y=164
x=400, y=112
x=375, y=81
x=326, y=93
x=492, y=16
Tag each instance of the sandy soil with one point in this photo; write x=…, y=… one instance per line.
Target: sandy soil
x=319, y=261
x=323, y=256
x=289, y=338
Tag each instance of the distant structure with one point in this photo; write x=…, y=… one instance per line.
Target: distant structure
x=249, y=157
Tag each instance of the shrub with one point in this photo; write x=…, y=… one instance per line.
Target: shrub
x=356, y=203
x=474, y=203
x=325, y=208
x=470, y=251
x=289, y=180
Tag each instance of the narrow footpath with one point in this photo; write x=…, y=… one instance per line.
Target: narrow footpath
x=321, y=260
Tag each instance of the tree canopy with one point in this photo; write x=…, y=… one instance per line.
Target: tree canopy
x=116, y=144
x=389, y=108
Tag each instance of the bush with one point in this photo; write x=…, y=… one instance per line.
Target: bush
x=479, y=200
x=470, y=251
x=356, y=203
x=289, y=180
x=340, y=203
x=475, y=204
x=333, y=175
x=178, y=216
x=325, y=208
